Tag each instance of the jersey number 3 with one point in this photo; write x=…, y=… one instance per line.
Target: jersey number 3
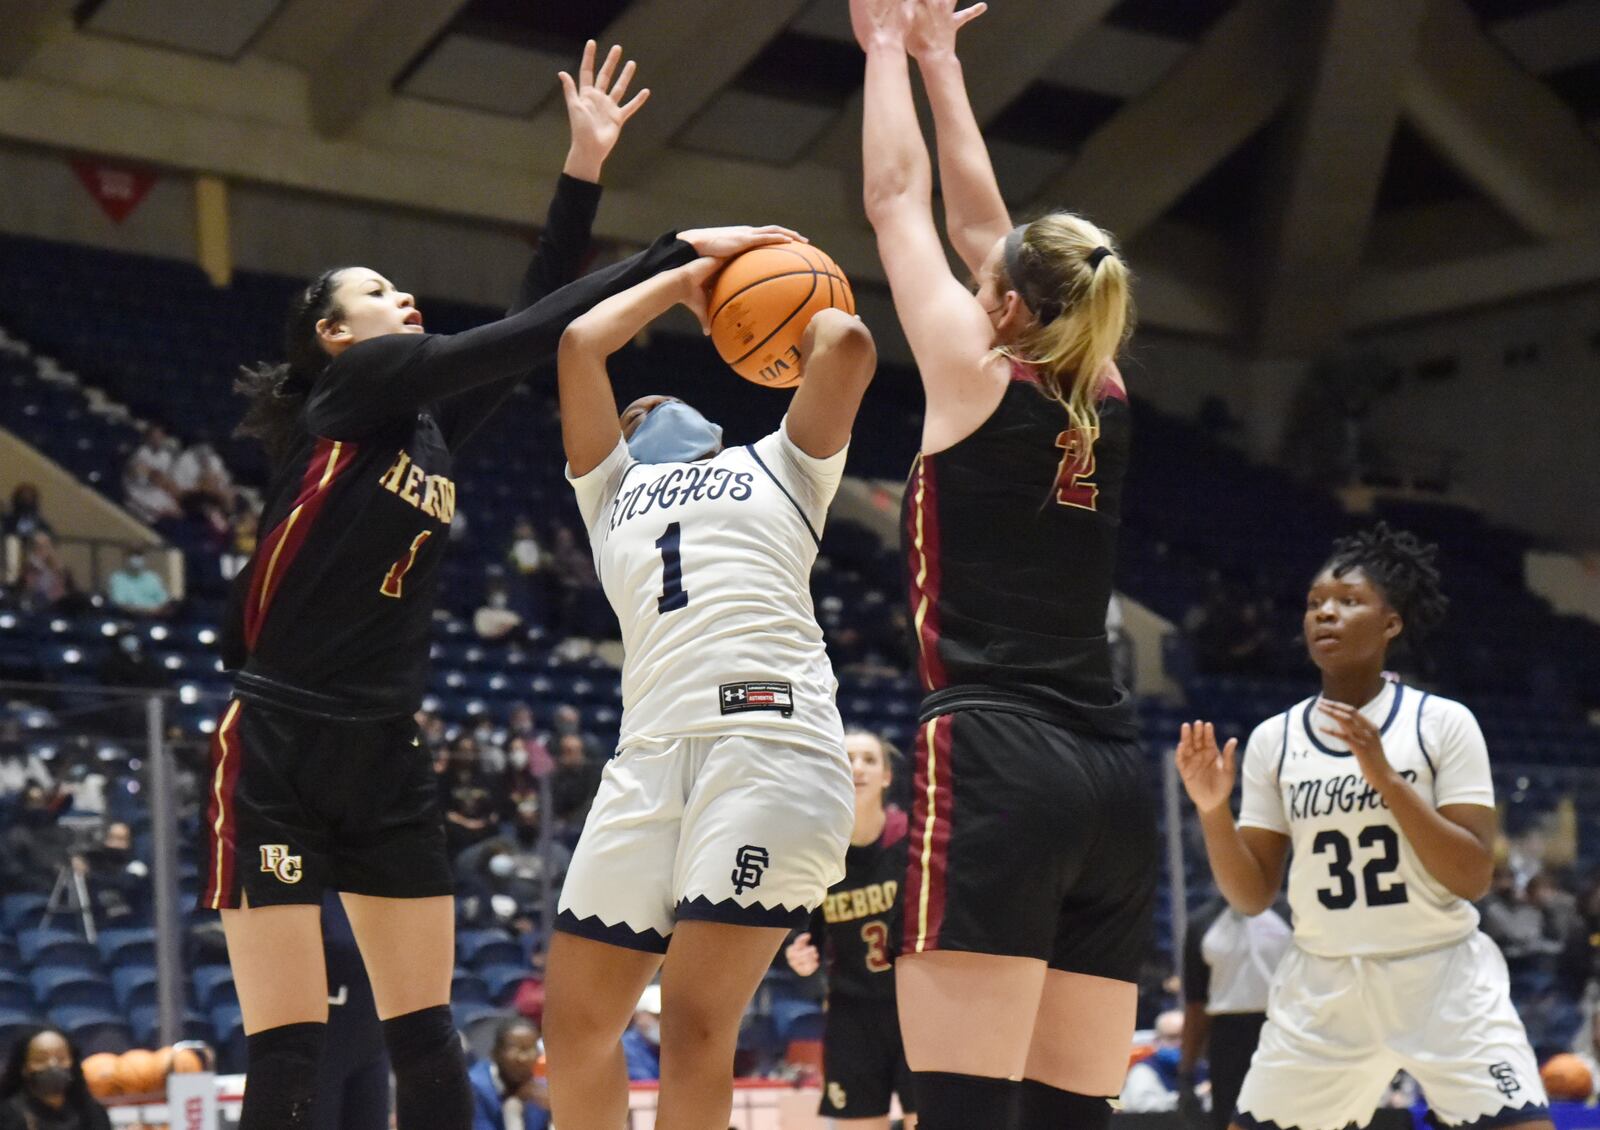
x=1342, y=895
x=673, y=596
x=1074, y=485
x=394, y=580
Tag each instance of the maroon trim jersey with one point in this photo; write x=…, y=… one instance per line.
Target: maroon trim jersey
x=859, y=922
x=331, y=616
x=1010, y=540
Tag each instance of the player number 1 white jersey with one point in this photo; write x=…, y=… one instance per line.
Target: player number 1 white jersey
x=1356, y=886
x=707, y=566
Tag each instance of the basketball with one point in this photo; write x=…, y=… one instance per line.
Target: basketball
x=140, y=1072
x=100, y=1072
x=762, y=302
x=1567, y=1078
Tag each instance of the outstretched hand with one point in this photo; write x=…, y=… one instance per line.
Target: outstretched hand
x=881, y=22
x=725, y=243
x=934, y=25
x=697, y=278
x=596, y=111
x=1207, y=771
x=802, y=956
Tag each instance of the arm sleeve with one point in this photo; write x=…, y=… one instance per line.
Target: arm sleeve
x=1460, y=755
x=809, y=481
x=1196, y=971
x=393, y=376
x=1261, y=804
x=596, y=489
x=556, y=261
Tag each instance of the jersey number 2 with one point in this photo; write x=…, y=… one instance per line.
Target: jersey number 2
x=1073, y=480
x=673, y=596
x=1342, y=895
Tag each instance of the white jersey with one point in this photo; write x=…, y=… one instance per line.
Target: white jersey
x=1356, y=886
x=708, y=566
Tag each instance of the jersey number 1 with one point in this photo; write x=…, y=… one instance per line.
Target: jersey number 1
x=672, y=597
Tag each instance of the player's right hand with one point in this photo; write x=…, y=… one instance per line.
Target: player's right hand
x=802, y=956
x=725, y=243
x=1207, y=772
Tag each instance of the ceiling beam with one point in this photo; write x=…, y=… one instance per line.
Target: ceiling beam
x=359, y=70
x=27, y=24
x=1161, y=144
x=1322, y=200
x=1009, y=48
x=687, y=51
x=1502, y=128
x=304, y=33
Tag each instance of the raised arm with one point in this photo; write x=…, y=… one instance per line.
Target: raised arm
x=975, y=213
x=949, y=332
x=838, y=358
x=1246, y=862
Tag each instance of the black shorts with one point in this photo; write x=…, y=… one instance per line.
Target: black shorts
x=863, y=1062
x=296, y=805
x=1029, y=839
x=1234, y=1036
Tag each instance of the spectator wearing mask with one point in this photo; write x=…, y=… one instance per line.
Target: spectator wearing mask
x=35, y=847
x=138, y=590
x=43, y=1087
x=118, y=882
x=527, y=753
x=526, y=555
x=147, y=484
x=47, y=583
x=1228, y=962
x=641, y=1043
x=1152, y=1083
x=509, y=872
x=496, y=618
x=507, y=1091
x=575, y=781
x=469, y=808
x=23, y=519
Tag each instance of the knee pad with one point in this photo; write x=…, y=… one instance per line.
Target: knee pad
x=1048, y=1108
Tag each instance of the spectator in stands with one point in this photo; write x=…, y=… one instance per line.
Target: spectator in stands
x=507, y=1092
x=528, y=762
x=641, y=1043
x=138, y=590
x=47, y=583
x=147, y=482
x=200, y=478
x=496, y=618
x=23, y=519
x=1518, y=925
x=430, y=728
x=1152, y=1083
x=43, y=1087
x=567, y=720
x=573, y=570
x=118, y=881
x=20, y=766
x=35, y=847
x=507, y=873
x=575, y=782
x=469, y=808
x=246, y=531
x=130, y=665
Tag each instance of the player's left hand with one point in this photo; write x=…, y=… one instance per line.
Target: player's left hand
x=1364, y=739
x=884, y=23
x=596, y=111
x=934, y=24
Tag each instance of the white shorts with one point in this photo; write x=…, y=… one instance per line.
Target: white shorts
x=1338, y=1029
x=732, y=829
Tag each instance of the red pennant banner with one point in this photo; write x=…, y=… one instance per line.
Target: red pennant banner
x=119, y=190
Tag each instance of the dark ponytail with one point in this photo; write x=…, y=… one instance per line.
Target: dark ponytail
x=277, y=393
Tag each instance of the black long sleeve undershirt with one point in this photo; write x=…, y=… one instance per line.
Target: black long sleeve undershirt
x=387, y=378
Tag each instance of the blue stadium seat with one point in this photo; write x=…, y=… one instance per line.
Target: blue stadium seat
x=13, y=1021
x=503, y=981
x=478, y=1023
x=145, y=1022
x=468, y=988
x=16, y=992
x=132, y=946
x=66, y=986
x=94, y=1030
x=57, y=947
x=227, y=1024
x=22, y=911
x=480, y=948
x=135, y=986
x=789, y=1014
x=213, y=987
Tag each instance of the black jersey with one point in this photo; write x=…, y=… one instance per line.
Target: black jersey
x=1010, y=541
x=331, y=616
x=859, y=920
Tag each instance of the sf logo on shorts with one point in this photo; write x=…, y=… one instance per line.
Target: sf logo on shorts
x=752, y=863
x=1505, y=1078
x=276, y=860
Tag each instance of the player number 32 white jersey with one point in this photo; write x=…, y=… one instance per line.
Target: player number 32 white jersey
x=708, y=566
x=1356, y=886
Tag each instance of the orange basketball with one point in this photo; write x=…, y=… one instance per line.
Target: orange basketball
x=186, y=1061
x=100, y=1072
x=140, y=1072
x=762, y=302
x=1567, y=1078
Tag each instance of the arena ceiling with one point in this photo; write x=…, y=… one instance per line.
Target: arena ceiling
x=1282, y=171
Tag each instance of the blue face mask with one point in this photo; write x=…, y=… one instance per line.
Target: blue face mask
x=674, y=433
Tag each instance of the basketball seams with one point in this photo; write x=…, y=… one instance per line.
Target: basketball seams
x=813, y=299
x=787, y=318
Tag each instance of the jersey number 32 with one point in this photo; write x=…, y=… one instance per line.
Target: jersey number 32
x=1384, y=862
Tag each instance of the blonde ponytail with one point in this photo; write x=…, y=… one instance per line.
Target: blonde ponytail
x=1071, y=275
